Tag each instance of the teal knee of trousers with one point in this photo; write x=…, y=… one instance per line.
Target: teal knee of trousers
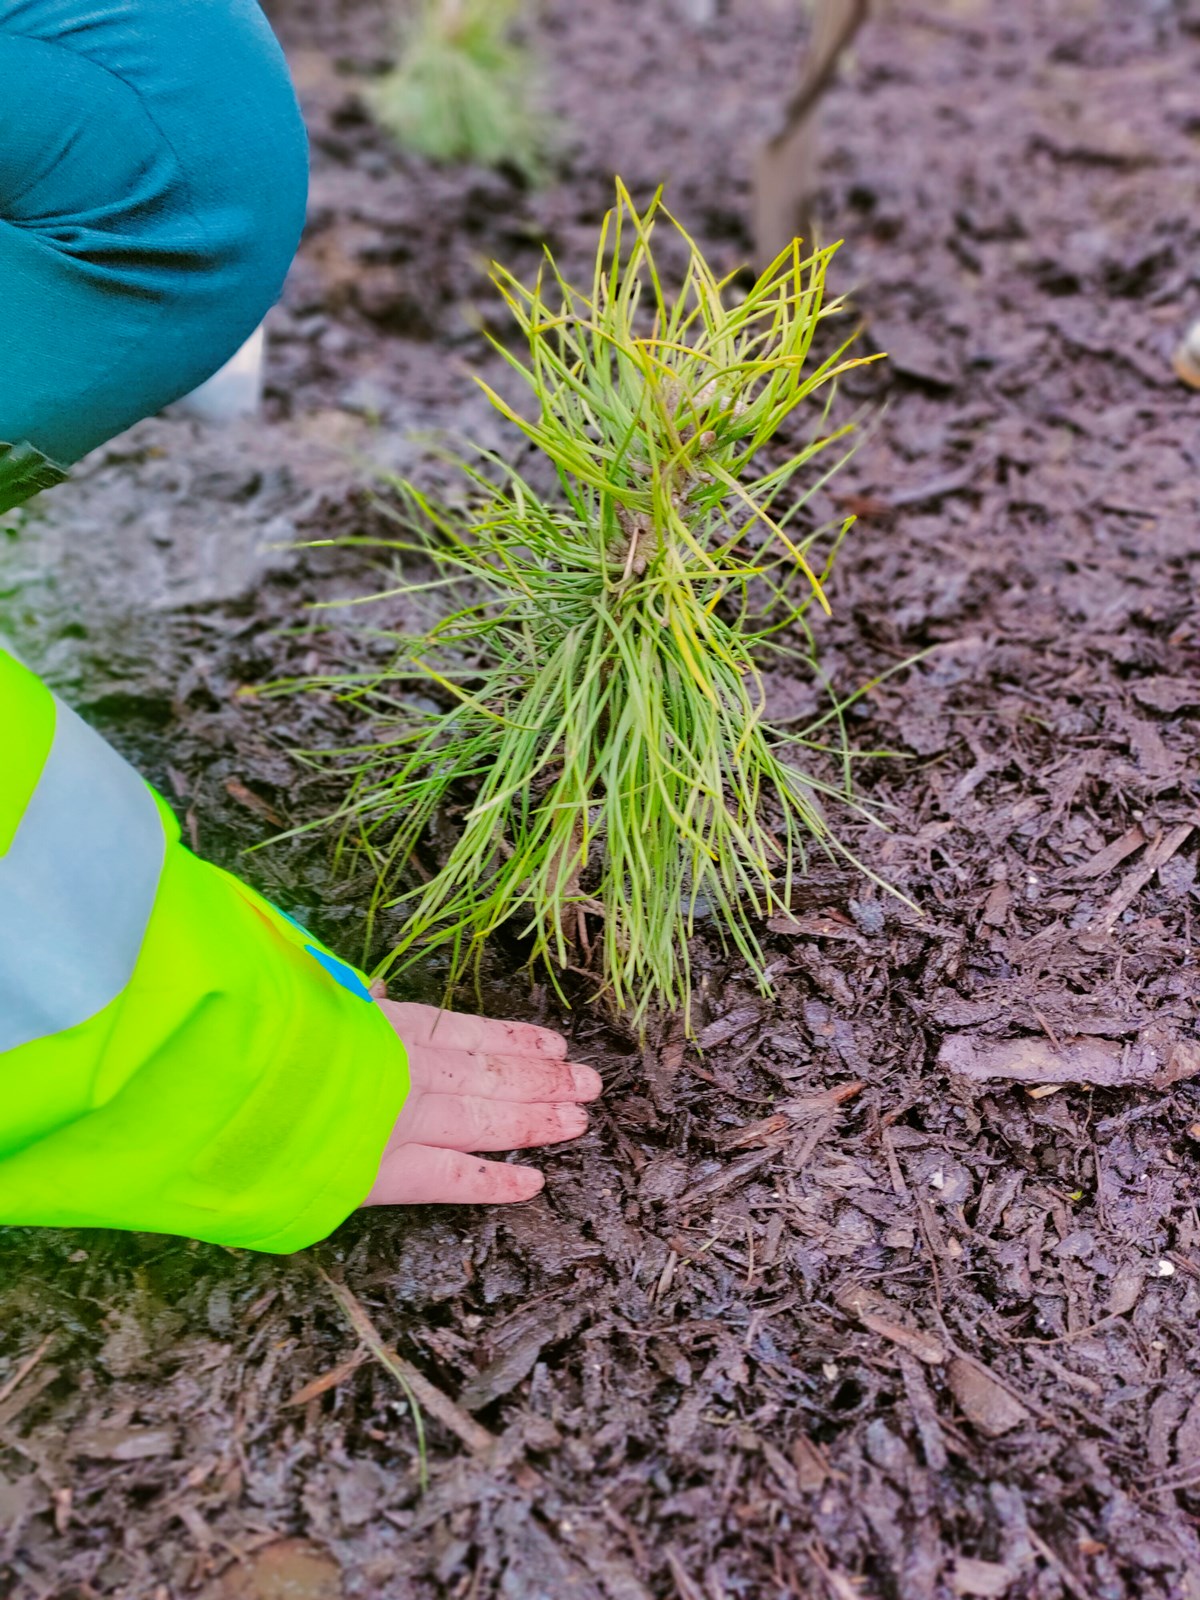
x=153, y=174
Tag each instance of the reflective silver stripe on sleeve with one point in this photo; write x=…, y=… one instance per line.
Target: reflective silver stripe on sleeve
x=77, y=886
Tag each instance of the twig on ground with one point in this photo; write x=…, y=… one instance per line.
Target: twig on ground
x=10, y=1385
x=418, y=1390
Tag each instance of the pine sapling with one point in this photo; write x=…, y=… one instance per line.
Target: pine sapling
x=601, y=771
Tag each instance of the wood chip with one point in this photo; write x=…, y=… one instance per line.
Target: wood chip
x=237, y=790
x=922, y=1345
x=289, y=1569
x=1068, y=1579
x=817, y=925
x=1112, y=854
x=194, y=1521
x=765, y=1131
x=984, y=1401
x=812, y=1469
x=924, y=1412
x=122, y=1444
x=895, y=1174
x=1187, y=1440
x=996, y=906
x=986, y=1579
x=1125, y=1289
x=328, y=1380
x=722, y=1029
x=1166, y=694
x=728, y=1177
x=879, y=1316
x=785, y=1472
x=816, y=1105
x=517, y=1360
x=684, y=1586
x=839, y=1586
x=1154, y=757
x=1157, y=855
x=1157, y=1059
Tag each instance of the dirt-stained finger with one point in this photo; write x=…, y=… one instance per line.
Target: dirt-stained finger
x=470, y=1122
x=417, y=1174
x=455, y=1030
x=523, y=1078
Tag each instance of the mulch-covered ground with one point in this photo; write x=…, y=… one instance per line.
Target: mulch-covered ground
x=828, y=1308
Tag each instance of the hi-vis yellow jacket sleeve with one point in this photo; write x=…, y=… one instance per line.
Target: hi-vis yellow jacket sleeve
x=175, y=1054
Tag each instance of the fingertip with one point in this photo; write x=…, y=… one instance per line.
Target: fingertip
x=543, y=1041
x=509, y=1185
x=574, y=1121
x=531, y=1182
x=586, y=1082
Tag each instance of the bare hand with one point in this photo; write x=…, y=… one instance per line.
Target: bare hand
x=476, y=1084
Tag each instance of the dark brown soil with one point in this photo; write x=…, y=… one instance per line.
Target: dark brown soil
x=804, y=1314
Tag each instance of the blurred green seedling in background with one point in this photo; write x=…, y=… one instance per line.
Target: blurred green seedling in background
x=465, y=87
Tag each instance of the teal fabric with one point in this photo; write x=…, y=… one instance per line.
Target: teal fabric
x=153, y=173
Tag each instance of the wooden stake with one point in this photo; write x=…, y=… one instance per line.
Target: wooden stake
x=786, y=169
